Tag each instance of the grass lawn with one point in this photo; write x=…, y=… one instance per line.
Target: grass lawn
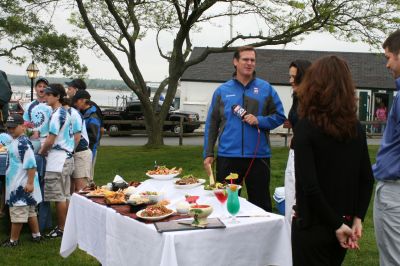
x=131, y=163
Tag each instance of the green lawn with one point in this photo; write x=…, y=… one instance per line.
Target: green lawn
x=131, y=163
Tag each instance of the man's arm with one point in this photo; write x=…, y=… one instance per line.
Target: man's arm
x=211, y=130
x=93, y=130
x=29, y=184
x=275, y=113
x=50, y=139
x=77, y=138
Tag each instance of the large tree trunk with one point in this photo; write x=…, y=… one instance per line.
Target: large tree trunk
x=154, y=128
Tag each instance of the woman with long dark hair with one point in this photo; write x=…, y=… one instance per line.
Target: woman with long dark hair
x=333, y=172
x=297, y=70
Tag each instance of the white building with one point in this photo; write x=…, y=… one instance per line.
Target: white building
x=373, y=81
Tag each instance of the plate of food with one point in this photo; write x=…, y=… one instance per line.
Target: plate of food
x=163, y=173
x=188, y=181
x=154, y=213
x=97, y=193
x=115, y=198
x=153, y=196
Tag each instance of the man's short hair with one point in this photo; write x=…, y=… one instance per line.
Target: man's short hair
x=236, y=55
x=79, y=84
x=392, y=43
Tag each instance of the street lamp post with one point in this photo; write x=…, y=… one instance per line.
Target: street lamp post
x=33, y=72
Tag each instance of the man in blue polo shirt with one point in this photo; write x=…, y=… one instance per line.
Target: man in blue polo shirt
x=387, y=169
x=240, y=139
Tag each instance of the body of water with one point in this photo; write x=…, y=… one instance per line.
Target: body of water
x=103, y=98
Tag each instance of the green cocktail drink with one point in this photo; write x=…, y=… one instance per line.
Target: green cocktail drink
x=233, y=204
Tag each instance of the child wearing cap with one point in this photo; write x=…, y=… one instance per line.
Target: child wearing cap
x=82, y=102
x=82, y=154
x=58, y=147
x=22, y=183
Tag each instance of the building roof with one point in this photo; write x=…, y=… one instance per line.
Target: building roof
x=368, y=69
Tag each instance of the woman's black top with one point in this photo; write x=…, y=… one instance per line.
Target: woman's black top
x=292, y=116
x=333, y=178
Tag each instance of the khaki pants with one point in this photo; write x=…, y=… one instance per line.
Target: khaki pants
x=387, y=222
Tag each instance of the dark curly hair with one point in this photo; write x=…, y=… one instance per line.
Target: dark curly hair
x=327, y=98
x=301, y=66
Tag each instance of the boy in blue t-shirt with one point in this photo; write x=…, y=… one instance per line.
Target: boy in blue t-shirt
x=22, y=183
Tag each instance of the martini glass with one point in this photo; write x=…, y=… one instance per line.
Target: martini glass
x=222, y=196
x=233, y=204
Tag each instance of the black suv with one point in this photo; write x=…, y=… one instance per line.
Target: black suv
x=134, y=111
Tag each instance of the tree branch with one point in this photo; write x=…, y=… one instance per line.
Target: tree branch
x=107, y=51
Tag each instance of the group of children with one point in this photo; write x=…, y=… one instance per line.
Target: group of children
x=65, y=130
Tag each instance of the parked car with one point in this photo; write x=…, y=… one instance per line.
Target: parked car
x=134, y=111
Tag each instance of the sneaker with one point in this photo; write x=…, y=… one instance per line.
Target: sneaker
x=38, y=239
x=55, y=233
x=9, y=244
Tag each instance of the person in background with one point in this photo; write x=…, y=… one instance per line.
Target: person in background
x=74, y=86
x=22, y=183
x=82, y=153
x=82, y=102
x=387, y=169
x=38, y=113
x=58, y=146
x=240, y=139
x=381, y=116
x=78, y=84
x=297, y=70
x=5, y=140
x=5, y=97
x=334, y=179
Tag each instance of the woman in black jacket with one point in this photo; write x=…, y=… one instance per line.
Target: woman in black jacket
x=333, y=172
x=297, y=70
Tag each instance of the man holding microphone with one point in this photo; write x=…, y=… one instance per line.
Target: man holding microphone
x=242, y=112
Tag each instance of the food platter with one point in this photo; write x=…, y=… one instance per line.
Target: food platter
x=188, y=186
x=97, y=193
x=163, y=177
x=141, y=215
x=163, y=173
x=154, y=218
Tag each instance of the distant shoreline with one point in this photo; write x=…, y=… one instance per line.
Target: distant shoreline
x=97, y=84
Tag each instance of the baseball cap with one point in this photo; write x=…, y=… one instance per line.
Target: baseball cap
x=76, y=83
x=81, y=94
x=41, y=79
x=55, y=89
x=14, y=120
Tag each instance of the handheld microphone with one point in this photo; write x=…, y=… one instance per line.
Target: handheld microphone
x=239, y=111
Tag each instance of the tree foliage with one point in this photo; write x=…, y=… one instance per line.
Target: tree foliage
x=116, y=26
x=25, y=26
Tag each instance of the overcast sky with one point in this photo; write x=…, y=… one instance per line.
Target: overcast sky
x=154, y=68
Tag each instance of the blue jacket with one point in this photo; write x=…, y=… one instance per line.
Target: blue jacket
x=236, y=138
x=387, y=166
x=93, y=124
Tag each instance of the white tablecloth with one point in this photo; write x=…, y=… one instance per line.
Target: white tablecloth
x=114, y=239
